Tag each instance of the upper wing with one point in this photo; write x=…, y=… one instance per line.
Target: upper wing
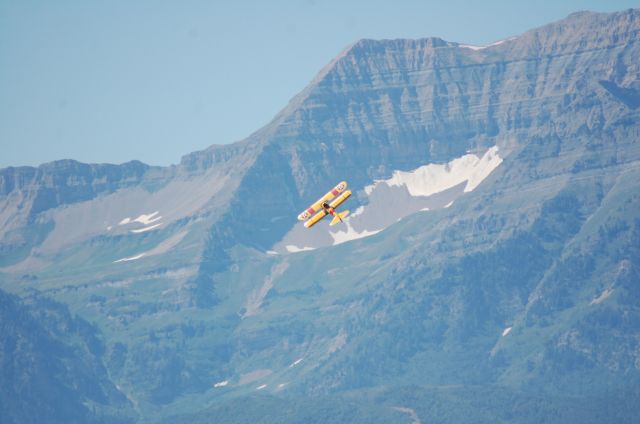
x=316, y=206
x=338, y=201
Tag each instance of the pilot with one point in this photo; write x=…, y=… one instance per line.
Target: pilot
x=328, y=209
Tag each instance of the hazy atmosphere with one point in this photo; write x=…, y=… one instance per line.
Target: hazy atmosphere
x=153, y=80
x=318, y=212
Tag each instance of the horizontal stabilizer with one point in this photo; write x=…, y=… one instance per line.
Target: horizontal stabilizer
x=339, y=217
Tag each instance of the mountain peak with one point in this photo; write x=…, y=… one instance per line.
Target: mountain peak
x=501, y=185
x=365, y=43
x=578, y=32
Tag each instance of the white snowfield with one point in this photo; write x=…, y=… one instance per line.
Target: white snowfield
x=472, y=47
x=144, y=219
x=497, y=43
x=148, y=219
x=427, y=188
x=296, y=362
x=145, y=229
x=434, y=178
x=350, y=234
x=294, y=249
x=506, y=331
x=221, y=383
x=131, y=258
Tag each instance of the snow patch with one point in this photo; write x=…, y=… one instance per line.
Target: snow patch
x=271, y=252
x=132, y=258
x=506, y=331
x=296, y=362
x=472, y=47
x=281, y=385
x=144, y=219
x=497, y=43
x=427, y=188
x=350, y=234
x=481, y=170
x=148, y=219
x=294, y=249
x=145, y=229
x=221, y=383
x=263, y=386
x=435, y=178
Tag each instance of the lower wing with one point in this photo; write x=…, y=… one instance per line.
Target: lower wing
x=317, y=217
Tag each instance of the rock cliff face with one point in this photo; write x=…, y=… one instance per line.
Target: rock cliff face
x=519, y=281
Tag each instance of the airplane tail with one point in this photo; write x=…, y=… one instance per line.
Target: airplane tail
x=339, y=217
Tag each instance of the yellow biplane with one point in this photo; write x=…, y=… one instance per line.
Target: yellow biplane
x=324, y=208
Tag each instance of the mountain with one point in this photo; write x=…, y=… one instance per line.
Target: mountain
x=488, y=273
x=48, y=357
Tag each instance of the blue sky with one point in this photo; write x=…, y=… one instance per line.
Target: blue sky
x=112, y=81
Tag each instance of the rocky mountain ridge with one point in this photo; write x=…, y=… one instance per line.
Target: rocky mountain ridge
x=524, y=286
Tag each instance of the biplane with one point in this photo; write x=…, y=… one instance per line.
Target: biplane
x=326, y=205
